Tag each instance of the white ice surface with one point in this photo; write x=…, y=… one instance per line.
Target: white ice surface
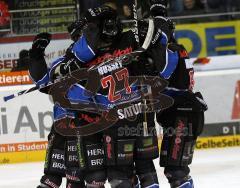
x=213, y=168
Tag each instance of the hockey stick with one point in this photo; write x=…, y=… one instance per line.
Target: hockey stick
x=9, y=97
x=135, y=19
x=137, y=52
x=90, y=129
x=144, y=46
x=23, y=92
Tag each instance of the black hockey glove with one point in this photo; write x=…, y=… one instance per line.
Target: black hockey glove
x=69, y=54
x=158, y=8
x=66, y=67
x=199, y=97
x=148, y=67
x=41, y=41
x=75, y=29
x=70, y=63
x=145, y=65
x=96, y=15
x=143, y=29
x=69, y=66
x=162, y=30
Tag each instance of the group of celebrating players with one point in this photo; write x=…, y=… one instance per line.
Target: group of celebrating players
x=124, y=160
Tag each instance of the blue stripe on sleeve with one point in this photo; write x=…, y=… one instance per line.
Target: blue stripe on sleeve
x=78, y=94
x=173, y=92
x=43, y=81
x=103, y=101
x=59, y=112
x=83, y=51
x=55, y=63
x=164, y=39
x=171, y=64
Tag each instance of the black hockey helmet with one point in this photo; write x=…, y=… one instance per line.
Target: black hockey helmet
x=75, y=29
x=111, y=28
x=158, y=7
x=111, y=24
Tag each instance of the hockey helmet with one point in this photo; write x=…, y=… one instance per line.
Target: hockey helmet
x=75, y=29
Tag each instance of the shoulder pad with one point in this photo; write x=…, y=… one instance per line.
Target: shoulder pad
x=181, y=50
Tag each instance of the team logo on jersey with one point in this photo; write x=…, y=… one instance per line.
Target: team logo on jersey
x=107, y=56
x=178, y=139
x=124, y=100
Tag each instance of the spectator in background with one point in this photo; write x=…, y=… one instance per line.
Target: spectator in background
x=144, y=6
x=125, y=9
x=4, y=19
x=193, y=7
x=186, y=7
x=217, y=4
x=176, y=7
x=4, y=15
x=127, y=12
x=111, y=3
x=22, y=62
x=222, y=5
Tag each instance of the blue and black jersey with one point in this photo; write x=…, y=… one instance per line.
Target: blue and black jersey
x=88, y=51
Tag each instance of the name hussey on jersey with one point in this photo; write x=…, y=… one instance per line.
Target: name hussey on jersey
x=109, y=68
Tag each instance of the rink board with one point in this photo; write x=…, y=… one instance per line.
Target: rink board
x=24, y=127
x=26, y=121
x=22, y=152
x=11, y=46
x=32, y=155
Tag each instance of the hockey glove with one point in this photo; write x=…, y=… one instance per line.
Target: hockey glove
x=69, y=54
x=100, y=13
x=148, y=67
x=158, y=8
x=162, y=30
x=41, y=41
x=69, y=66
x=75, y=29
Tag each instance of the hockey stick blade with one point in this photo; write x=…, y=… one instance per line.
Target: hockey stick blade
x=12, y=96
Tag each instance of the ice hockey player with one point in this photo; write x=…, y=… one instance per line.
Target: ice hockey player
x=119, y=159
x=145, y=170
x=114, y=43
x=54, y=167
x=183, y=122
x=106, y=40
x=187, y=113
x=61, y=156
x=103, y=39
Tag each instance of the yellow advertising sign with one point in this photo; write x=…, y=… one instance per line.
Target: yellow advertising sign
x=214, y=142
x=210, y=39
x=22, y=152
x=218, y=142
